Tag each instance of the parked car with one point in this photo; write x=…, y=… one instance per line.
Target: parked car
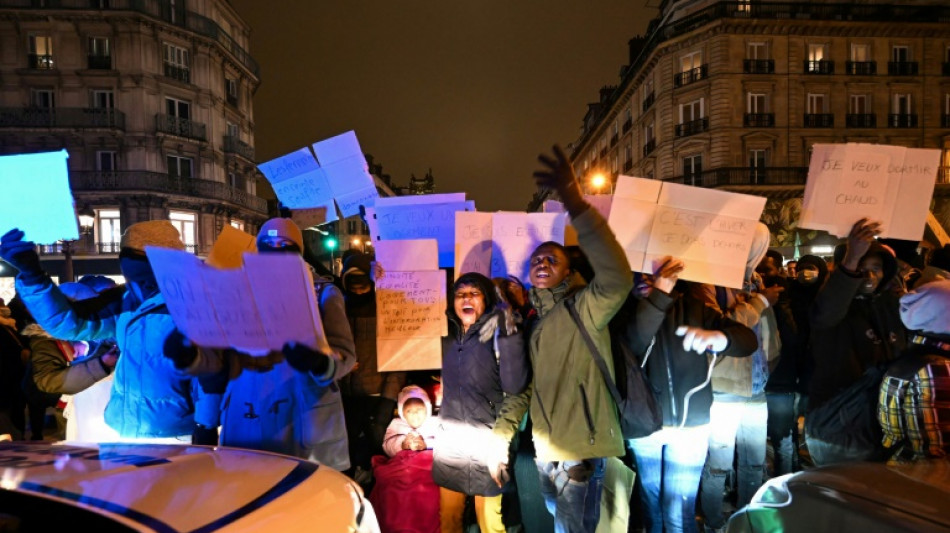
x=166, y=488
x=865, y=497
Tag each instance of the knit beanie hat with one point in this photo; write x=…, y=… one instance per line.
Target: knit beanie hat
x=925, y=309
x=356, y=265
x=151, y=233
x=282, y=227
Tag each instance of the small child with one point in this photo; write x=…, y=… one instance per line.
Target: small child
x=405, y=497
x=414, y=428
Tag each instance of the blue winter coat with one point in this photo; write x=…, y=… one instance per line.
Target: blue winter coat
x=150, y=398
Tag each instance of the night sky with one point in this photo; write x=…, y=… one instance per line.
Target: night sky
x=472, y=89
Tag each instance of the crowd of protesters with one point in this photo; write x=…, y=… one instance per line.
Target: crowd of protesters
x=734, y=371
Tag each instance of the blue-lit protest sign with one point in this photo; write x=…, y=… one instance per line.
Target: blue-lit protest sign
x=36, y=197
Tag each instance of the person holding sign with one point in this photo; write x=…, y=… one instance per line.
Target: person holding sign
x=150, y=400
x=856, y=329
x=287, y=401
x=675, y=334
x=575, y=422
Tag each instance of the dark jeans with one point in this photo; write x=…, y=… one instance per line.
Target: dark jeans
x=572, y=492
x=783, y=431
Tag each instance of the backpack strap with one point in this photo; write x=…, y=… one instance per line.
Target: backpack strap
x=594, y=352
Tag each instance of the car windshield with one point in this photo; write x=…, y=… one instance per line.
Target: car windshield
x=27, y=513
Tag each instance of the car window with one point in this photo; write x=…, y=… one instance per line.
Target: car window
x=27, y=513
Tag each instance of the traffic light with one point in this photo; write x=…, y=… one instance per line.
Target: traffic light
x=330, y=243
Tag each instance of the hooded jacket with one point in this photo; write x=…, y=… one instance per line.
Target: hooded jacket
x=477, y=420
x=851, y=332
x=268, y=405
x=573, y=415
x=676, y=374
x=150, y=399
x=398, y=429
x=794, y=370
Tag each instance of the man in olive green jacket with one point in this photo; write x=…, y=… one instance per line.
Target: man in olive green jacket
x=574, y=418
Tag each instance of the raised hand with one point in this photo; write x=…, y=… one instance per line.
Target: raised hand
x=20, y=254
x=667, y=273
x=859, y=241
x=558, y=175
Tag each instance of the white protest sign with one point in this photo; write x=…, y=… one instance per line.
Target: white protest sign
x=347, y=172
x=892, y=184
x=299, y=182
x=257, y=308
x=473, y=242
x=410, y=320
x=710, y=230
x=516, y=235
x=423, y=220
x=36, y=197
x=414, y=254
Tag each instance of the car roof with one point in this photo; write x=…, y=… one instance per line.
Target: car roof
x=181, y=488
x=921, y=488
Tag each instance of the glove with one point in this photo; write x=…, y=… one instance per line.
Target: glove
x=21, y=255
x=204, y=435
x=305, y=359
x=180, y=350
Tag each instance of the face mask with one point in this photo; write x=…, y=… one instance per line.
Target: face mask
x=141, y=280
x=807, y=277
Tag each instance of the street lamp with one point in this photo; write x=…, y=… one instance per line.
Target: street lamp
x=87, y=219
x=358, y=243
x=598, y=180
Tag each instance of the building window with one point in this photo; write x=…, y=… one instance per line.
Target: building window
x=816, y=111
x=109, y=230
x=815, y=103
x=41, y=52
x=758, y=161
x=180, y=167
x=818, y=62
x=649, y=141
x=178, y=108
x=100, y=54
x=901, y=64
x=692, y=168
x=184, y=222
x=757, y=59
x=43, y=98
x=692, y=119
x=945, y=118
x=858, y=104
x=177, y=63
x=860, y=62
x=232, y=130
x=691, y=69
x=105, y=161
x=237, y=224
x=690, y=61
x=231, y=91
x=859, y=112
x=103, y=99
x=900, y=54
x=902, y=104
x=860, y=52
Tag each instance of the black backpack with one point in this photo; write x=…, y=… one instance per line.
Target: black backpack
x=640, y=414
x=849, y=418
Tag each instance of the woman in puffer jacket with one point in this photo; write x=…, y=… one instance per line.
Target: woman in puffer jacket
x=484, y=376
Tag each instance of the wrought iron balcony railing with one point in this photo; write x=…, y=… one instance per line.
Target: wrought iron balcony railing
x=758, y=66
x=178, y=72
x=180, y=126
x=692, y=127
x=902, y=68
x=233, y=145
x=142, y=180
x=691, y=76
x=627, y=124
x=901, y=120
x=861, y=120
x=61, y=117
x=860, y=68
x=819, y=120
x=40, y=61
x=727, y=176
x=648, y=101
x=613, y=140
x=758, y=120
x=821, y=66
x=99, y=62
x=648, y=147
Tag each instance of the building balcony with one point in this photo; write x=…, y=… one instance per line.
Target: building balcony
x=819, y=120
x=234, y=145
x=177, y=72
x=648, y=101
x=901, y=120
x=61, y=117
x=142, y=180
x=613, y=140
x=733, y=176
x=649, y=147
x=232, y=99
x=860, y=68
x=758, y=66
x=99, y=62
x=627, y=124
x=691, y=76
x=40, y=61
x=758, y=120
x=821, y=66
x=861, y=120
x=945, y=120
x=902, y=68
x=692, y=127
x=946, y=68
x=181, y=127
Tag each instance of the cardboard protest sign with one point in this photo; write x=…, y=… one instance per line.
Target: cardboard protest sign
x=299, y=182
x=308, y=218
x=516, y=235
x=229, y=248
x=345, y=166
x=419, y=219
x=600, y=202
x=36, y=197
x=892, y=184
x=410, y=307
x=256, y=308
x=710, y=230
x=473, y=242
